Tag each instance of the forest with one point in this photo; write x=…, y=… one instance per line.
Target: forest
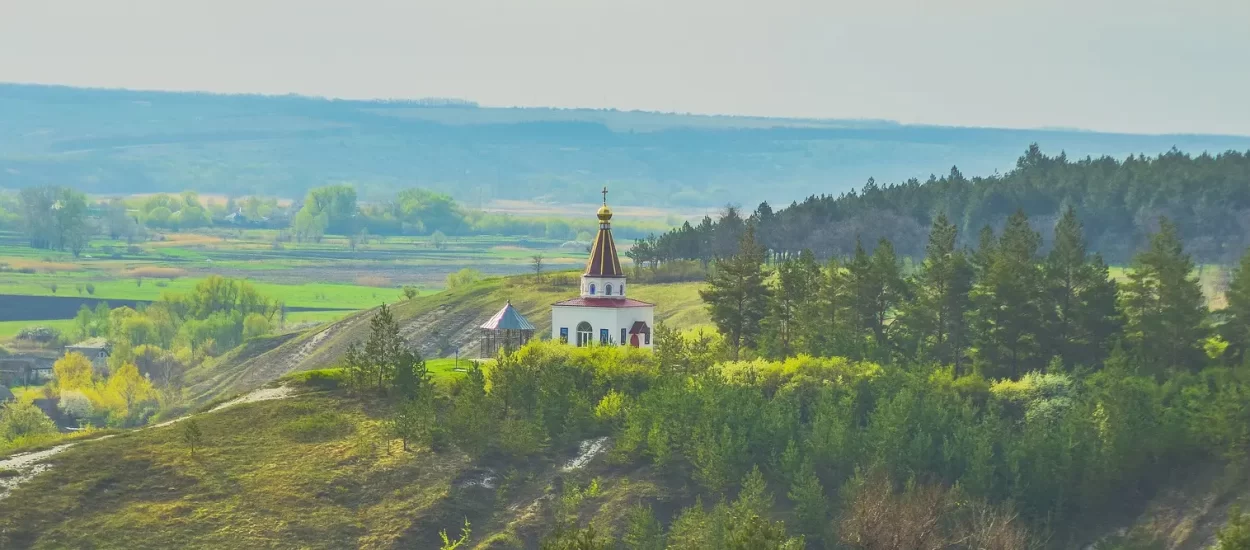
x=1207, y=198
x=997, y=397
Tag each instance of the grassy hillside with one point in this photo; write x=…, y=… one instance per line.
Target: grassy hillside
x=436, y=324
x=111, y=141
x=304, y=472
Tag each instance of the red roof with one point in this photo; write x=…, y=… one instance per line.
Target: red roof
x=603, y=302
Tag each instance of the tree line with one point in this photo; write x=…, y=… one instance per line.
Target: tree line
x=1000, y=396
x=62, y=218
x=1206, y=197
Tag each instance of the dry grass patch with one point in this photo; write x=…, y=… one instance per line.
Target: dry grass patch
x=39, y=266
x=374, y=281
x=154, y=272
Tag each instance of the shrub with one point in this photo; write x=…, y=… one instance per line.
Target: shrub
x=23, y=419
x=90, y=288
x=464, y=277
x=40, y=334
x=255, y=325
x=326, y=379
x=410, y=292
x=75, y=405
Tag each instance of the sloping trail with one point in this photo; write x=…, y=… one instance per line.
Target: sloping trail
x=30, y=464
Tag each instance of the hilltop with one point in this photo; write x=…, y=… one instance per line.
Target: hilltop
x=437, y=325
x=118, y=141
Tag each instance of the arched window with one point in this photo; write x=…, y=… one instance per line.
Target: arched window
x=584, y=333
x=607, y=290
x=592, y=289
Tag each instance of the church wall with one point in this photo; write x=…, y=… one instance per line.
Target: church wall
x=613, y=319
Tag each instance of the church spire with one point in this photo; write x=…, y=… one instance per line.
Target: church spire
x=603, y=260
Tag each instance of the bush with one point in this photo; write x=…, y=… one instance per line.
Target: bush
x=75, y=405
x=326, y=379
x=90, y=288
x=23, y=419
x=40, y=334
x=464, y=277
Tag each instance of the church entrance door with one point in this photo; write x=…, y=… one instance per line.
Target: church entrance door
x=633, y=340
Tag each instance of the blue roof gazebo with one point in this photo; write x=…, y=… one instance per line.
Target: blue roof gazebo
x=508, y=330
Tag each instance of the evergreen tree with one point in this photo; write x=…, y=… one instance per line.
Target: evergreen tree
x=1079, y=303
x=1236, y=327
x=1165, y=314
x=736, y=296
x=1008, y=301
x=825, y=316
x=936, y=318
x=877, y=284
x=796, y=283
x=810, y=506
x=642, y=530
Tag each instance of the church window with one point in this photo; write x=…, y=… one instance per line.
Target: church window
x=647, y=335
x=622, y=289
x=564, y=335
x=607, y=290
x=605, y=337
x=624, y=337
x=592, y=289
x=584, y=333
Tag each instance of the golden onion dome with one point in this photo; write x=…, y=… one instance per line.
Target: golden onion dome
x=604, y=213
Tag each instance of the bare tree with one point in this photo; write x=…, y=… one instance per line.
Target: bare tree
x=537, y=261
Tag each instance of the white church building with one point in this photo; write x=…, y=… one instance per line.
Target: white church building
x=603, y=314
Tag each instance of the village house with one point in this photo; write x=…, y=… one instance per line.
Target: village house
x=95, y=349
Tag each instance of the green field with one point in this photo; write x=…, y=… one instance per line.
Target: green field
x=328, y=276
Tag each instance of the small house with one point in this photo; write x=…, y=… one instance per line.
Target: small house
x=95, y=349
x=508, y=330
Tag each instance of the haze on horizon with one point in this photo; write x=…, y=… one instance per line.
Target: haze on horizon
x=1139, y=66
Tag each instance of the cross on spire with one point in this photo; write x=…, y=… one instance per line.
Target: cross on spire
x=605, y=195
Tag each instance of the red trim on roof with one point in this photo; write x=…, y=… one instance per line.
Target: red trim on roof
x=603, y=302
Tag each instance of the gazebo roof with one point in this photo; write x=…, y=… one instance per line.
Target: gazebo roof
x=508, y=318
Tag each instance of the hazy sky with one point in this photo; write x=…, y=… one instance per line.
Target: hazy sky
x=1123, y=65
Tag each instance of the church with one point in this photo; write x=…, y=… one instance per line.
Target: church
x=604, y=314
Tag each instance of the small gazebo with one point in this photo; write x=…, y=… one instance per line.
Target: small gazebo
x=508, y=330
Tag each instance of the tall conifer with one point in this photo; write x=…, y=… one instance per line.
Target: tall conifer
x=1079, y=305
x=1165, y=314
x=736, y=295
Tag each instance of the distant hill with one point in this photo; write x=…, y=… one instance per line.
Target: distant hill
x=116, y=141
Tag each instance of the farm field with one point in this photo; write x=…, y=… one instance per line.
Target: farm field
x=316, y=282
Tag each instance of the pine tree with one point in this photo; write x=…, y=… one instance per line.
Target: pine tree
x=825, y=316
x=877, y=285
x=1165, y=314
x=1236, y=327
x=1008, y=300
x=736, y=296
x=642, y=530
x=936, y=318
x=810, y=506
x=1079, y=308
x=796, y=283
